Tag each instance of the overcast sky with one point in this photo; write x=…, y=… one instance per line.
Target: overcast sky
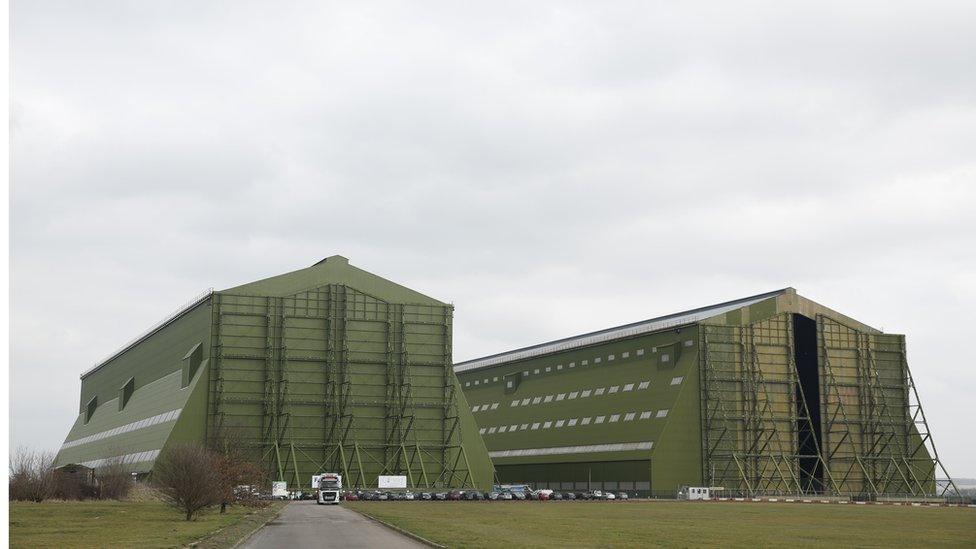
x=550, y=168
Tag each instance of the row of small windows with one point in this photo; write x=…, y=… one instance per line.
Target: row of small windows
x=549, y=369
x=128, y=427
x=573, y=395
x=588, y=449
x=573, y=422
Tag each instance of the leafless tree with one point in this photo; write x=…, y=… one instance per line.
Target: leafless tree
x=32, y=475
x=187, y=478
x=241, y=475
x=114, y=479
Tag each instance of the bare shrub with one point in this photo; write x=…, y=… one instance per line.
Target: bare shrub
x=241, y=475
x=114, y=480
x=187, y=478
x=32, y=475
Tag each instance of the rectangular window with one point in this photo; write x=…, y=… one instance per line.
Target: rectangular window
x=524, y=426
x=643, y=385
x=614, y=418
x=572, y=364
x=629, y=387
x=547, y=400
x=525, y=402
x=572, y=422
x=485, y=381
x=625, y=354
x=630, y=416
x=665, y=357
x=510, y=384
x=584, y=363
x=597, y=360
x=467, y=383
x=573, y=395
x=560, y=423
x=548, y=369
x=547, y=425
x=514, y=403
x=536, y=371
x=535, y=426
x=512, y=428
x=599, y=419
x=525, y=373
x=599, y=391
x=611, y=357
x=476, y=408
x=492, y=430
x=586, y=393
x=536, y=400
x=494, y=405
x=640, y=352
x=560, y=396
x=614, y=389
x=494, y=378
x=585, y=421
x=677, y=380
x=646, y=415
x=662, y=413
x=482, y=430
x=560, y=367
x=476, y=382
x=503, y=428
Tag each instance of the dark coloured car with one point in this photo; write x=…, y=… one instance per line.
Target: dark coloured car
x=455, y=495
x=351, y=496
x=584, y=495
x=622, y=495
x=569, y=495
x=471, y=495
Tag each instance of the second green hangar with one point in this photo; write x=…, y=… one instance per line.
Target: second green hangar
x=769, y=394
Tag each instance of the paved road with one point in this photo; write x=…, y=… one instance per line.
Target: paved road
x=306, y=524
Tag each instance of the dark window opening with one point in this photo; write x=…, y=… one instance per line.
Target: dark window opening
x=808, y=389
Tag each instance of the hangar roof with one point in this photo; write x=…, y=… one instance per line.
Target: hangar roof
x=786, y=300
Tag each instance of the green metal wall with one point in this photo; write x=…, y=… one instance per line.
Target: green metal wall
x=570, y=381
x=333, y=379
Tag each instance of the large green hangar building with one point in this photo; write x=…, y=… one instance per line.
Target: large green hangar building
x=328, y=368
x=770, y=394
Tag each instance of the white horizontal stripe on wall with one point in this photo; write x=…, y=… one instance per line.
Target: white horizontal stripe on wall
x=590, y=449
x=127, y=428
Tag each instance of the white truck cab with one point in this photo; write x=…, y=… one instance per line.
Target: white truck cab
x=328, y=488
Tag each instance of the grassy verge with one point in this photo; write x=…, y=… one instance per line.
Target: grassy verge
x=675, y=524
x=126, y=524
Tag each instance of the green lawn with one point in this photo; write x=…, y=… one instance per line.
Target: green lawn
x=125, y=524
x=676, y=524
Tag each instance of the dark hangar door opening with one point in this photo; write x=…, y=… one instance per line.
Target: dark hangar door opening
x=808, y=389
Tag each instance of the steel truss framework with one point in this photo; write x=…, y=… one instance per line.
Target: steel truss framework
x=335, y=380
x=758, y=433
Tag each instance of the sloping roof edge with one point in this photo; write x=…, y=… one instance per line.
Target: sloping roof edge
x=642, y=327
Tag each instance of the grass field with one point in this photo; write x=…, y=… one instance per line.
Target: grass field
x=676, y=524
x=126, y=524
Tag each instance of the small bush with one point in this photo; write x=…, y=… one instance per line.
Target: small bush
x=114, y=480
x=32, y=476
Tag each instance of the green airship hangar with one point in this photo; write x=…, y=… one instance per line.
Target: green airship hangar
x=332, y=368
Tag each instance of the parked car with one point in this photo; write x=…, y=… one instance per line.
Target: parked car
x=569, y=495
x=507, y=496
x=454, y=495
x=557, y=495
x=351, y=496
x=494, y=495
x=519, y=496
x=440, y=496
x=622, y=495
x=426, y=496
x=471, y=495
x=409, y=496
x=609, y=495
